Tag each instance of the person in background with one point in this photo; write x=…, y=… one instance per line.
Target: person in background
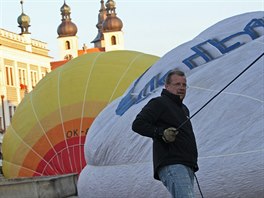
x=165, y=120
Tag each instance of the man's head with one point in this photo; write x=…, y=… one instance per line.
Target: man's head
x=176, y=83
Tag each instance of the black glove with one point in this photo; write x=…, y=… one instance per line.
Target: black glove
x=169, y=134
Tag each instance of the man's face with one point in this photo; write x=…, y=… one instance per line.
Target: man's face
x=177, y=86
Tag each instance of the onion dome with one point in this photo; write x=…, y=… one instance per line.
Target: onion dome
x=67, y=27
x=112, y=22
x=23, y=20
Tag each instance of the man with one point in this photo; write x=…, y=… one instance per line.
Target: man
x=165, y=120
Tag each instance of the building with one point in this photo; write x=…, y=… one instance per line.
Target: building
x=110, y=35
x=23, y=63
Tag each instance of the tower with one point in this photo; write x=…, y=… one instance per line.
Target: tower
x=112, y=29
x=67, y=30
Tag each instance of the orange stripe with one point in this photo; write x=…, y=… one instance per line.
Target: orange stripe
x=55, y=136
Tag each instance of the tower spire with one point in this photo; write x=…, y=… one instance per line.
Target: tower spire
x=101, y=18
x=21, y=2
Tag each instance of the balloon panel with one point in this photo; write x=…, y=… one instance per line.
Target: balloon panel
x=49, y=127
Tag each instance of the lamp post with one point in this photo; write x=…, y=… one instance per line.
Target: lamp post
x=3, y=110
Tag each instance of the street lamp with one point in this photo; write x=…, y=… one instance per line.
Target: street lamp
x=3, y=110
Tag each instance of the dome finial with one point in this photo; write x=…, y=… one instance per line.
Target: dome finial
x=110, y=7
x=23, y=20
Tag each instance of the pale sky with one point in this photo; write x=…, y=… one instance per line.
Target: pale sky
x=150, y=26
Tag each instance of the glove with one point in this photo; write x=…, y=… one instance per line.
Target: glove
x=169, y=134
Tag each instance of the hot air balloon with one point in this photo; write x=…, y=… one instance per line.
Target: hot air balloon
x=229, y=129
x=49, y=127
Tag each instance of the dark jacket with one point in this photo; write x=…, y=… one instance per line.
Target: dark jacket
x=159, y=114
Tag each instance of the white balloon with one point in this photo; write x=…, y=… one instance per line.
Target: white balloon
x=229, y=130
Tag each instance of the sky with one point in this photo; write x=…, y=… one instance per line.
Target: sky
x=150, y=26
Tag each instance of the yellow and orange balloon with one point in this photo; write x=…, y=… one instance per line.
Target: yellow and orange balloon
x=48, y=129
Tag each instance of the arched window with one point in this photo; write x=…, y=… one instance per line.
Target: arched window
x=113, y=40
x=67, y=45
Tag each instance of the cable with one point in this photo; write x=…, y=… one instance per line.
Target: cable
x=214, y=98
x=198, y=185
x=221, y=90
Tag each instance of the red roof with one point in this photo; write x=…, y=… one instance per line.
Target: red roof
x=90, y=50
x=56, y=64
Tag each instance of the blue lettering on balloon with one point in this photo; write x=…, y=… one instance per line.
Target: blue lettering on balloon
x=221, y=45
x=130, y=98
x=254, y=23
x=158, y=80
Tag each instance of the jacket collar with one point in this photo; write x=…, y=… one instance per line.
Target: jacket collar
x=172, y=96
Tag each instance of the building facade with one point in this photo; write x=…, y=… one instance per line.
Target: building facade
x=23, y=63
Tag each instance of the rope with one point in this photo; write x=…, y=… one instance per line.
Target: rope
x=234, y=79
x=214, y=98
x=198, y=186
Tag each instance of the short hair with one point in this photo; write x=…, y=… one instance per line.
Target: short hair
x=173, y=72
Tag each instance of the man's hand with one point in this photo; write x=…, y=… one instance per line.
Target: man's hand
x=169, y=134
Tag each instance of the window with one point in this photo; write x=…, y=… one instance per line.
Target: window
x=67, y=45
x=9, y=76
x=12, y=110
x=10, y=113
x=22, y=76
x=113, y=40
x=43, y=74
x=34, y=78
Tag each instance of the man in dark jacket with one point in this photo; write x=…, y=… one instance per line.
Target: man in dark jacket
x=165, y=120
